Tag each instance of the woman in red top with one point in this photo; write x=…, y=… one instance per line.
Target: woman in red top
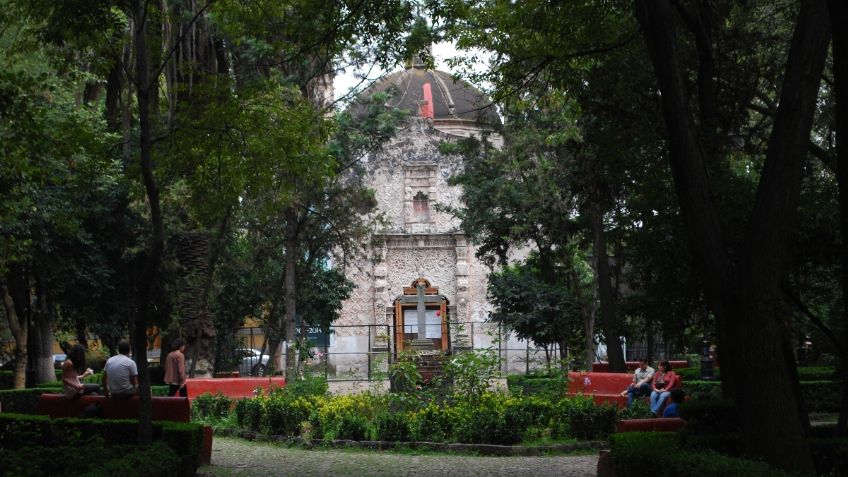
x=664, y=381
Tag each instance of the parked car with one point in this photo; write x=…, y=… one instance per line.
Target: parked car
x=250, y=364
x=58, y=359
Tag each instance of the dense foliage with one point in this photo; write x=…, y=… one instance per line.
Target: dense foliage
x=492, y=418
x=39, y=445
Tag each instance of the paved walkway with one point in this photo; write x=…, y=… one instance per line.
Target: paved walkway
x=238, y=457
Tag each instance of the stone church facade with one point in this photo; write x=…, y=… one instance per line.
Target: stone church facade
x=410, y=176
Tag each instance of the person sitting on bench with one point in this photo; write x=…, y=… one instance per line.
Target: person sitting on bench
x=641, y=385
x=664, y=381
x=74, y=364
x=120, y=375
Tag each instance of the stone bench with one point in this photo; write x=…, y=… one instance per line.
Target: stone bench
x=162, y=409
x=234, y=388
x=659, y=424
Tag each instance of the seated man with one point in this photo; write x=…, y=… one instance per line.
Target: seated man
x=673, y=409
x=120, y=375
x=641, y=385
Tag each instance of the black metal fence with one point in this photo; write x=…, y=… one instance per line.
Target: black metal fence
x=365, y=352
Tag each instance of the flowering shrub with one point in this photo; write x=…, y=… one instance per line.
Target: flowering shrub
x=433, y=423
x=211, y=406
x=343, y=417
x=391, y=426
x=283, y=414
x=581, y=418
x=490, y=418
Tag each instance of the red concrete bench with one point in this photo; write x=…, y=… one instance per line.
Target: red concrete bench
x=162, y=409
x=603, y=387
x=231, y=387
x=659, y=424
x=603, y=367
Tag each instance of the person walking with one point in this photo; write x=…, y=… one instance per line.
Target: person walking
x=175, y=369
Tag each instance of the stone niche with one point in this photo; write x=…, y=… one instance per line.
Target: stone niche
x=419, y=197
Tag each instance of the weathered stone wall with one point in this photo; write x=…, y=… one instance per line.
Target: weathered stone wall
x=415, y=244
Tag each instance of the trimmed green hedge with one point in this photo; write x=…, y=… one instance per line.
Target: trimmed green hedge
x=158, y=460
x=694, y=373
x=636, y=454
x=822, y=396
x=830, y=455
x=21, y=432
x=7, y=379
x=819, y=396
x=712, y=426
x=21, y=401
x=817, y=373
x=805, y=373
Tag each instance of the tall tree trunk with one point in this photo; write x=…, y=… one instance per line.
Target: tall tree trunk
x=41, y=338
x=19, y=326
x=79, y=330
x=587, y=312
x=838, y=20
x=743, y=302
x=194, y=256
x=290, y=284
x=155, y=250
x=609, y=322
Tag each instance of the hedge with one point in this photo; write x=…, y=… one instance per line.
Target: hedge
x=21, y=401
x=660, y=454
x=492, y=419
x=712, y=425
x=830, y=456
x=805, y=373
x=19, y=433
x=819, y=396
x=158, y=460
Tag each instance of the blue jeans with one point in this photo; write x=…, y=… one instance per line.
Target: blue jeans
x=658, y=399
x=633, y=392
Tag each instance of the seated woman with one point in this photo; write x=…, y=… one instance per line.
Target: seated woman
x=664, y=381
x=72, y=387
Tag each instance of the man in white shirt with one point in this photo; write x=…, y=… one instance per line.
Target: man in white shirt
x=641, y=385
x=120, y=375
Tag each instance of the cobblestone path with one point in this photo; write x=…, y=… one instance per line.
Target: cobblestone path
x=238, y=457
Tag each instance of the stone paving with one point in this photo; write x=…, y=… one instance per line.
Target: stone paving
x=238, y=457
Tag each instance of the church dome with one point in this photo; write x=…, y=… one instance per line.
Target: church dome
x=431, y=94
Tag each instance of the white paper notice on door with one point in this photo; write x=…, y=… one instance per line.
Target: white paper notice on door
x=432, y=323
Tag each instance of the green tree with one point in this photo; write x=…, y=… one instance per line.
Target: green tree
x=711, y=62
x=536, y=310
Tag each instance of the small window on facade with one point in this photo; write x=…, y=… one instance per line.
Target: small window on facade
x=421, y=207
